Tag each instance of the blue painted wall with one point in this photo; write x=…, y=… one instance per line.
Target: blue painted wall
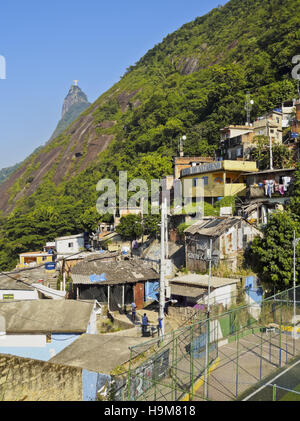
x=58, y=343
x=151, y=290
x=254, y=291
x=91, y=383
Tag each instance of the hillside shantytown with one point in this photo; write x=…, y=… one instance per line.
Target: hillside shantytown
x=197, y=305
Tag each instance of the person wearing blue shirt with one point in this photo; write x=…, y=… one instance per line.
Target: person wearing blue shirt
x=144, y=324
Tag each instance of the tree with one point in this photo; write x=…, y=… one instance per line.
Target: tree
x=271, y=256
x=282, y=156
x=295, y=197
x=151, y=225
x=130, y=227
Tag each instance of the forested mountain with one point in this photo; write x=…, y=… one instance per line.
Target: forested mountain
x=5, y=172
x=194, y=82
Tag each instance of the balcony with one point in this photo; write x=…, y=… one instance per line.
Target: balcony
x=223, y=190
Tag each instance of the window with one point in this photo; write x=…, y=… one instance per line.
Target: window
x=228, y=180
x=205, y=180
x=70, y=245
x=195, y=182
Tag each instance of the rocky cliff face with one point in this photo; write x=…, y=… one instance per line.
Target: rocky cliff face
x=74, y=104
x=75, y=96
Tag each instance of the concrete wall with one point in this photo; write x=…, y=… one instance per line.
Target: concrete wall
x=19, y=294
x=32, y=380
x=35, y=346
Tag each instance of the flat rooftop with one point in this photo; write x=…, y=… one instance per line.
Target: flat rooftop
x=202, y=280
x=46, y=316
x=98, y=353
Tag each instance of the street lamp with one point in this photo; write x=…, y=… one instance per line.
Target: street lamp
x=295, y=242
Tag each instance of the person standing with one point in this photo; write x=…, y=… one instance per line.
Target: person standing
x=145, y=323
x=133, y=311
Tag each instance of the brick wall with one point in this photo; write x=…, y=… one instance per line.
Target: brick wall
x=34, y=380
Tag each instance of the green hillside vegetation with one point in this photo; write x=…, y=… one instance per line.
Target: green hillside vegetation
x=6, y=172
x=192, y=83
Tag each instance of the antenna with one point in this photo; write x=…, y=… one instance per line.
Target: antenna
x=248, y=107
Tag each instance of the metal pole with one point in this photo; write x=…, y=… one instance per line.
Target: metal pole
x=173, y=365
x=294, y=321
x=261, y=351
x=176, y=369
x=191, y=397
x=270, y=142
x=166, y=234
x=274, y=392
x=287, y=322
x=162, y=268
x=237, y=357
x=280, y=334
x=129, y=376
x=207, y=328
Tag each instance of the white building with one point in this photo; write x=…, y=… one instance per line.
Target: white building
x=193, y=288
x=40, y=329
x=12, y=289
x=71, y=244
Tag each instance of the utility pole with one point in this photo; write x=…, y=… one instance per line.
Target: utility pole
x=166, y=233
x=161, y=315
x=248, y=107
x=208, y=324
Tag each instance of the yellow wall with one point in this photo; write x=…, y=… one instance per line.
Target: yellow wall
x=36, y=259
x=219, y=189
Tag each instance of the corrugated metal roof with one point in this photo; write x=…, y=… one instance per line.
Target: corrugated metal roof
x=212, y=227
x=115, y=272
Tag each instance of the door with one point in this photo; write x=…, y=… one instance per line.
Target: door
x=139, y=295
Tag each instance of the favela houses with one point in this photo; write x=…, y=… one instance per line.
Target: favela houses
x=150, y=222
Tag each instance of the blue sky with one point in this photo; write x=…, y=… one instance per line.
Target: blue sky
x=48, y=44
